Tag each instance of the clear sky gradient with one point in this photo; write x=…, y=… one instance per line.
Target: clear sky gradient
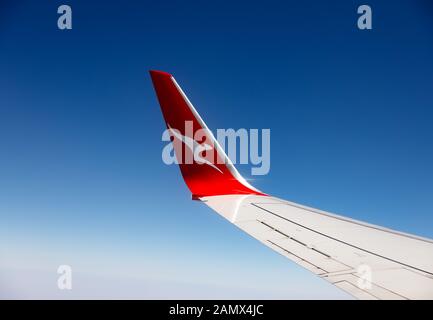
x=81, y=177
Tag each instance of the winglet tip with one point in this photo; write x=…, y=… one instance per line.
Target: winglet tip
x=154, y=73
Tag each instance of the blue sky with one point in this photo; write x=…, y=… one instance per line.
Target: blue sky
x=81, y=176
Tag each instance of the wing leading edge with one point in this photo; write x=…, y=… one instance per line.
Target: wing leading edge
x=367, y=261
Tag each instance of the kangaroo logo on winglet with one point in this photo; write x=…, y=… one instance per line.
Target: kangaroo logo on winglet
x=202, y=148
x=196, y=148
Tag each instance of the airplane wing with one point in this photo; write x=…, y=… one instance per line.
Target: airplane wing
x=367, y=261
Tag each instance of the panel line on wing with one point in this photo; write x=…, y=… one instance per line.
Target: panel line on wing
x=338, y=240
x=282, y=233
x=345, y=219
x=299, y=257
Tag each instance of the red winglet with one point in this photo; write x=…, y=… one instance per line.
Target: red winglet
x=211, y=177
